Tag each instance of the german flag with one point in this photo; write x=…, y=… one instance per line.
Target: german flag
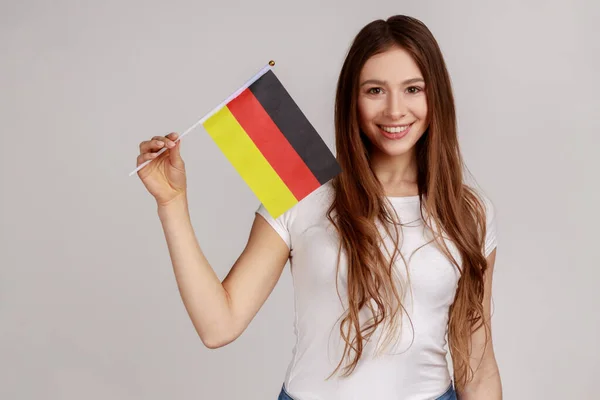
x=272, y=145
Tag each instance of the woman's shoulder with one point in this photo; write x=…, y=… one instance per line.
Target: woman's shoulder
x=481, y=195
x=490, y=211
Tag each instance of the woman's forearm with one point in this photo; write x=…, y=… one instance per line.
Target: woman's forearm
x=488, y=387
x=203, y=295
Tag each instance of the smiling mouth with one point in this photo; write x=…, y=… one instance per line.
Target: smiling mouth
x=394, y=128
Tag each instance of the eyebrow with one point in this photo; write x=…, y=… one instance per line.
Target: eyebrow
x=383, y=83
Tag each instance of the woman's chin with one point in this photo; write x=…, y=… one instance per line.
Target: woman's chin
x=397, y=150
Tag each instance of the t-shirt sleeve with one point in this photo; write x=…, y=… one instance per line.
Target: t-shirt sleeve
x=280, y=224
x=491, y=226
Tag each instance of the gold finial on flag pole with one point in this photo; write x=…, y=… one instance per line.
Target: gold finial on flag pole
x=214, y=110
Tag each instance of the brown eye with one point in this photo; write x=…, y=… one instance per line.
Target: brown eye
x=375, y=90
x=414, y=90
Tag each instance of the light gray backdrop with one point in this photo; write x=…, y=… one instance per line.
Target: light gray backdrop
x=89, y=308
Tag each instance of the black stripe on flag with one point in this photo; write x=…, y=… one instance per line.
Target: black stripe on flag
x=294, y=125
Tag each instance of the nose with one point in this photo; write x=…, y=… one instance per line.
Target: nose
x=395, y=107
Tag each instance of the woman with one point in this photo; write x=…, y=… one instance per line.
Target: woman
x=387, y=258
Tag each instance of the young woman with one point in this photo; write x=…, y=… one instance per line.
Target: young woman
x=388, y=258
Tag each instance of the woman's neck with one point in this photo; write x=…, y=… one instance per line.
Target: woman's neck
x=397, y=174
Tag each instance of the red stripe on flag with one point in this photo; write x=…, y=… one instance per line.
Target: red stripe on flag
x=273, y=145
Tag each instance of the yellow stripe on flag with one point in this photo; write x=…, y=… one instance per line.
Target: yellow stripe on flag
x=247, y=159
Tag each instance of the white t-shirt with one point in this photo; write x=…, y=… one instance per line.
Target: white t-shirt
x=415, y=368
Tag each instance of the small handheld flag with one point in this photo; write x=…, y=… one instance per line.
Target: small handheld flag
x=270, y=142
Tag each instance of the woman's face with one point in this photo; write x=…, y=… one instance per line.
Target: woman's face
x=392, y=105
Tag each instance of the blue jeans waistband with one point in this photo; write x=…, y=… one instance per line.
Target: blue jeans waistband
x=450, y=394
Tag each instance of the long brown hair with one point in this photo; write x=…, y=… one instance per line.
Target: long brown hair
x=454, y=210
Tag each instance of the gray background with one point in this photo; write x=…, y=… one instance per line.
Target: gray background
x=89, y=307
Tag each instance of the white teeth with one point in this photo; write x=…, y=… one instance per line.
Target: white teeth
x=395, y=129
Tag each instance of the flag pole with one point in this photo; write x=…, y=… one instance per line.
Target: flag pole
x=202, y=120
